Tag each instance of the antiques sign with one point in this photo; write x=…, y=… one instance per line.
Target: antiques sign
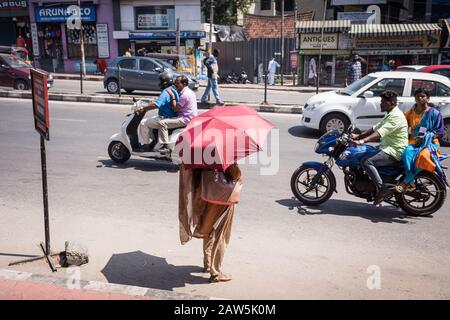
x=314, y=41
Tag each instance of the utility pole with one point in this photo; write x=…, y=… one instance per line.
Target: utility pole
x=282, y=40
x=82, y=60
x=296, y=38
x=211, y=22
x=178, y=36
x=321, y=46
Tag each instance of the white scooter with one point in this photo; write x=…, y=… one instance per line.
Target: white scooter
x=124, y=142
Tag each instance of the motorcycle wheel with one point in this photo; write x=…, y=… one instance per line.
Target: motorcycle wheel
x=118, y=152
x=320, y=193
x=426, y=199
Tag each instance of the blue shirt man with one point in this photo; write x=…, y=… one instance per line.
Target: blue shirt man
x=164, y=103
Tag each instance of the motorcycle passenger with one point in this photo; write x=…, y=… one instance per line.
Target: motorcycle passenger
x=392, y=132
x=165, y=104
x=425, y=127
x=186, y=109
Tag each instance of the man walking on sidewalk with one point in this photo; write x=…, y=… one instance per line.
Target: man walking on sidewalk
x=272, y=68
x=213, y=68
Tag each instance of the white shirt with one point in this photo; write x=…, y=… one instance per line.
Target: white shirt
x=312, y=68
x=273, y=65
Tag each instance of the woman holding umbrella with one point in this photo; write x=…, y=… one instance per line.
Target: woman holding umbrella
x=209, y=190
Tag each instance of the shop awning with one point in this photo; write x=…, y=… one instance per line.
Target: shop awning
x=386, y=30
x=328, y=26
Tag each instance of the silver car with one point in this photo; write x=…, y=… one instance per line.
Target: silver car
x=139, y=73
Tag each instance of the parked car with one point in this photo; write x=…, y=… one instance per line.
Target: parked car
x=19, y=52
x=442, y=69
x=139, y=73
x=359, y=103
x=15, y=72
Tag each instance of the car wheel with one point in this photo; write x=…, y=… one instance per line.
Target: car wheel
x=112, y=86
x=20, y=85
x=334, y=121
x=445, y=139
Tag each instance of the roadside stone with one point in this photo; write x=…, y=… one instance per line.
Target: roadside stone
x=76, y=254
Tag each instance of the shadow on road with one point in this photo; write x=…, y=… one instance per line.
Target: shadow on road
x=349, y=209
x=303, y=132
x=141, y=164
x=144, y=270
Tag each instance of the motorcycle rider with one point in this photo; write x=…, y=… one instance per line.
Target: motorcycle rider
x=392, y=132
x=166, y=105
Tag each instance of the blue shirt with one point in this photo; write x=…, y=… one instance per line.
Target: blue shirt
x=164, y=104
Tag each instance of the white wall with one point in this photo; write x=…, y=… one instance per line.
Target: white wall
x=188, y=11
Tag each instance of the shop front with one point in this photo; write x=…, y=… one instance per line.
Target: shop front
x=57, y=44
x=15, y=24
x=333, y=49
x=444, y=55
x=386, y=47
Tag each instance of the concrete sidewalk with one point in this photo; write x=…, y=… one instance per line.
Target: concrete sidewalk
x=110, y=99
x=15, y=285
x=286, y=87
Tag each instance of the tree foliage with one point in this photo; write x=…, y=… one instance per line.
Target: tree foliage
x=225, y=11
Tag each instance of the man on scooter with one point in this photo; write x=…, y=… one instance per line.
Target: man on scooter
x=186, y=109
x=392, y=132
x=165, y=103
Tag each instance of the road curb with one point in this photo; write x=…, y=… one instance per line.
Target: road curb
x=225, y=86
x=104, y=287
x=271, y=108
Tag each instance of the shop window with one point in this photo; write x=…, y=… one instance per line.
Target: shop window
x=289, y=5
x=266, y=4
x=128, y=64
x=395, y=85
x=90, y=42
x=147, y=65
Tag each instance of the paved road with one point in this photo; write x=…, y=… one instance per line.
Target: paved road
x=127, y=216
x=227, y=94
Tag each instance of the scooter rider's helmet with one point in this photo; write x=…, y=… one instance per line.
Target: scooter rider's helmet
x=166, y=78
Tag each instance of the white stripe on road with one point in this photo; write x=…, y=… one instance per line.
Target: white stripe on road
x=72, y=120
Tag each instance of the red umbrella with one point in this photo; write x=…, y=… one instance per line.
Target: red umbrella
x=221, y=136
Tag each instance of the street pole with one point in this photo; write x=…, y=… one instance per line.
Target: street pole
x=178, y=36
x=296, y=37
x=321, y=46
x=211, y=22
x=82, y=61
x=282, y=40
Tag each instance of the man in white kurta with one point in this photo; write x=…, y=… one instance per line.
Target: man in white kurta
x=272, y=68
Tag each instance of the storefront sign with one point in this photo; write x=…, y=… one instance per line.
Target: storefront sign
x=147, y=21
x=34, y=39
x=61, y=13
x=102, y=40
x=345, y=42
x=357, y=17
x=313, y=41
x=13, y=5
x=166, y=34
x=293, y=59
x=399, y=42
x=40, y=102
x=395, y=52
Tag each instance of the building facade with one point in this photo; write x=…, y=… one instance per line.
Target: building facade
x=56, y=45
x=153, y=24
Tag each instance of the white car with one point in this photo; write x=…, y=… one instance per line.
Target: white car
x=359, y=103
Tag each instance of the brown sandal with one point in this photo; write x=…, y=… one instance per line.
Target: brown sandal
x=221, y=277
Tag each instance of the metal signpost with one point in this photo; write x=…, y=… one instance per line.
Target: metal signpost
x=41, y=123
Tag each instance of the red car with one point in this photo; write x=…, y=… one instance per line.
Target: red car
x=15, y=73
x=442, y=69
